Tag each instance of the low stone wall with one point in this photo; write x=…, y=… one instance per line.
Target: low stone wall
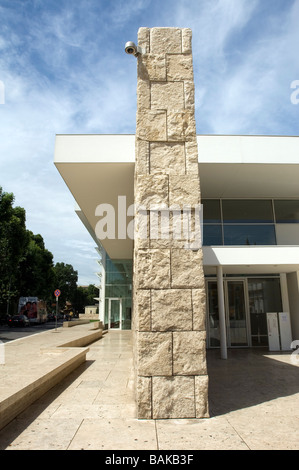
x=67, y=324
x=88, y=316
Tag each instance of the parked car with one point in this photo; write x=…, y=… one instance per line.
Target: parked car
x=51, y=317
x=18, y=320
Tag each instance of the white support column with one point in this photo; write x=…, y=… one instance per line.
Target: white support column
x=102, y=288
x=221, y=308
x=284, y=293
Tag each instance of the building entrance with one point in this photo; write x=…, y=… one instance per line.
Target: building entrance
x=247, y=302
x=236, y=314
x=114, y=314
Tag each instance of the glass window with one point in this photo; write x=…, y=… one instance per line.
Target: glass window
x=249, y=235
x=212, y=235
x=264, y=295
x=119, y=286
x=287, y=212
x=211, y=211
x=247, y=211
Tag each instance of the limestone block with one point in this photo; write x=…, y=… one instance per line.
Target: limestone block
x=167, y=96
x=189, y=353
x=154, y=354
x=199, y=309
x=144, y=38
x=191, y=157
x=151, y=190
x=184, y=190
x=179, y=67
x=153, y=269
x=141, y=228
x=171, y=310
x=189, y=91
x=180, y=126
x=144, y=397
x=173, y=397
x=142, y=161
x=165, y=40
x=151, y=125
x=201, y=396
x=186, y=269
x=186, y=41
x=152, y=67
x=167, y=158
x=143, y=95
x=143, y=300
x=169, y=224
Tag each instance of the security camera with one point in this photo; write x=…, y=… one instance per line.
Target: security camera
x=131, y=48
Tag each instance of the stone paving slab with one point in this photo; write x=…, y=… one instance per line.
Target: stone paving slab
x=34, y=364
x=254, y=405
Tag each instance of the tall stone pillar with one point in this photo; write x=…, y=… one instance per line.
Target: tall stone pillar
x=169, y=290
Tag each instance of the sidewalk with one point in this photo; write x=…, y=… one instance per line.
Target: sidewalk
x=254, y=404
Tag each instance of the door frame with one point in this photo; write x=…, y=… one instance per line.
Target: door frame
x=109, y=313
x=226, y=300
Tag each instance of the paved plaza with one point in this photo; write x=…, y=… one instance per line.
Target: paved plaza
x=253, y=396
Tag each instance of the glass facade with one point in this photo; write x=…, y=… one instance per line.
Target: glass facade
x=287, y=211
x=247, y=302
x=118, y=294
x=246, y=221
x=264, y=296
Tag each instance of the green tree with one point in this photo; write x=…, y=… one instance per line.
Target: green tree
x=65, y=279
x=13, y=243
x=37, y=270
x=85, y=296
x=80, y=299
x=92, y=294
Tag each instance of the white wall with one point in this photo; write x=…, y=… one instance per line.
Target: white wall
x=287, y=234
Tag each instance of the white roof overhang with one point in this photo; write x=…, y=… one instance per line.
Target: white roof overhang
x=99, y=168
x=251, y=259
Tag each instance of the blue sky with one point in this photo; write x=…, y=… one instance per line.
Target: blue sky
x=64, y=70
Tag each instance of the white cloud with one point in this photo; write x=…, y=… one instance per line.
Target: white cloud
x=59, y=78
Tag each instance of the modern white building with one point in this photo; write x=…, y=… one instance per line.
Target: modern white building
x=250, y=197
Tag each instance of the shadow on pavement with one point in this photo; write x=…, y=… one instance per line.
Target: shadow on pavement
x=249, y=377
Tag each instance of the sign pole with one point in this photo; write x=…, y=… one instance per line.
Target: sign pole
x=57, y=294
x=56, y=313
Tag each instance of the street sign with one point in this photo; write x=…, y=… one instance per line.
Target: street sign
x=57, y=293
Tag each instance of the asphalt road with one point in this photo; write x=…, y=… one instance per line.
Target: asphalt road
x=9, y=334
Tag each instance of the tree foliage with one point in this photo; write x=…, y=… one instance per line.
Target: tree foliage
x=36, y=269
x=27, y=268
x=85, y=296
x=65, y=279
x=14, y=240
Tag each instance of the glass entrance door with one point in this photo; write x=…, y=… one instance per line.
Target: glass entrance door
x=236, y=313
x=115, y=314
